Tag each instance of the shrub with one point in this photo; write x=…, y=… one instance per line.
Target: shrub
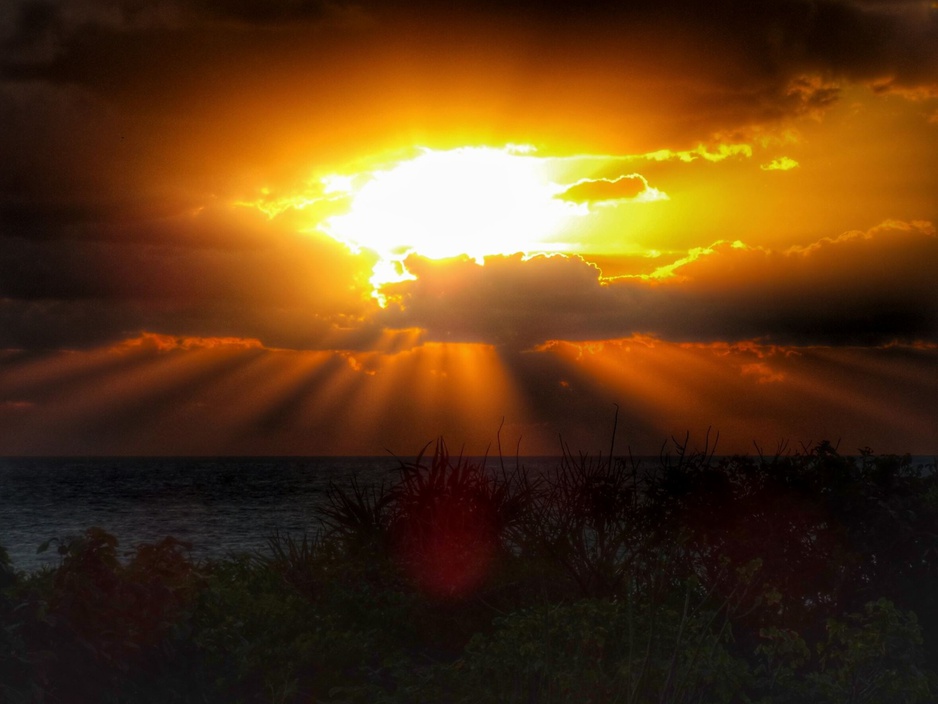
x=873, y=656
x=598, y=650
x=448, y=522
x=696, y=580
x=95, y=630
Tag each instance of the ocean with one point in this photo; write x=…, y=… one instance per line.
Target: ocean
x=221, y=505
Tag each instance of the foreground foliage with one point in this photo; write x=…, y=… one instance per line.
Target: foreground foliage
x=801, y=577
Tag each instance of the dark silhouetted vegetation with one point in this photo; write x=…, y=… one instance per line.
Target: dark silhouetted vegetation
x=799, y=577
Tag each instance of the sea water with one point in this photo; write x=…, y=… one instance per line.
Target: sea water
x=221, y=505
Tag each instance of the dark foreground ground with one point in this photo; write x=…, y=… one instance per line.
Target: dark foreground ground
x=801, y=577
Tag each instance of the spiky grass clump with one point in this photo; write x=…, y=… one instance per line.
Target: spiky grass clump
x=449, y=519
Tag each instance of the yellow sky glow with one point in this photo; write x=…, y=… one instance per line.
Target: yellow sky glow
x=473, y=201
x=477, y=202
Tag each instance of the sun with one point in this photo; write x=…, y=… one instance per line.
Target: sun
x=470, y=201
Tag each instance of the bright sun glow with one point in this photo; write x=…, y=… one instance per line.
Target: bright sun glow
x=473, y=201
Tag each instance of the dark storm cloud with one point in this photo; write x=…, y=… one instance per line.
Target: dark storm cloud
x=195, y=73
x=33, y=24
x=769, y=43
x=64, y=324
x=208, y=274
x=861, y=288
x=113, y=111
x=507, y=301
x=854, y=39
x=273, y=11
x=719, y=66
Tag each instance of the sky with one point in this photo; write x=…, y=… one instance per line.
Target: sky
x=316, y=227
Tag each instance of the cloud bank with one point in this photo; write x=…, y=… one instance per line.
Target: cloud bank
x=859, y=288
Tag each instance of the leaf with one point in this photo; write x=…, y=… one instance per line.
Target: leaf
x=773, y=597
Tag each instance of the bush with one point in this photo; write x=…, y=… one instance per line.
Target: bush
x=598, y=650
x=872, y=656
x=785, y=580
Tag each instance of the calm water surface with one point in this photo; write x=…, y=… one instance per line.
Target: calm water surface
x=220, y=505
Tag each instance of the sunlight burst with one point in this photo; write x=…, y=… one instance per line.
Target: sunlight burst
x=472, y=201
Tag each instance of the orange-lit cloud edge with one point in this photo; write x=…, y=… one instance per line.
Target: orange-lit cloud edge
x=434, y=368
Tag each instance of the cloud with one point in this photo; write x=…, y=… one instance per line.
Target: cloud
x=50, y=324
x=276, y=271
x=126, y=127
x=170, y=343
x=509, y=300
x=701, y=152
x=264, y=12
x=603, y=190
x=17, y=406
x=763, y=372
x=214, y=273
x=744, y=62
x=783, y=163
x=812, y=93
x=858, y=288
x=836, y=291
x=209, y=275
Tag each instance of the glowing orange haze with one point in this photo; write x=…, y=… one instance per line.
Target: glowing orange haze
x=358, y=229
x=200, y=395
